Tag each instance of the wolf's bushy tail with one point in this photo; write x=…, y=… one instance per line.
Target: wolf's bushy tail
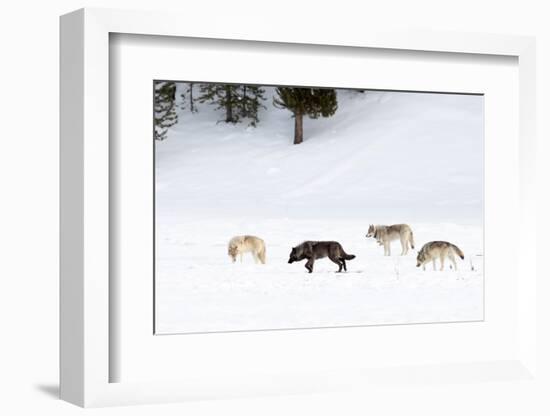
x=458, y=251
x=412, y=240
x=342, y=254
x=261, y=254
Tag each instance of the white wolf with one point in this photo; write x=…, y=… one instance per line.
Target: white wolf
x=385, y=234
x=246, y=243
x=438, y=250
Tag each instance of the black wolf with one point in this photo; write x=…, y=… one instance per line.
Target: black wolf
x=312, y=250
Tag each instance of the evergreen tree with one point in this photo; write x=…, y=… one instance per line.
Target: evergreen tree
x=164, y=108
x=225, y=96
x=311, y=102
x=181, y=87
x=251, y=101
x=237, y=101
x=190, y=91
x=187, y=96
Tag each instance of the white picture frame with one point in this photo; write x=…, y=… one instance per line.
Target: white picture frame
x=86, y=305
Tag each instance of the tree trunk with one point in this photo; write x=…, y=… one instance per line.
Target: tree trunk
x=244, y=105
x=298, y=128
x=228, y=105
x=191, y=101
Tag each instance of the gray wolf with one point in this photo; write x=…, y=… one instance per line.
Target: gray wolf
x=313, y=250
x=385, y=234
x=438, y=249
x=246, y=243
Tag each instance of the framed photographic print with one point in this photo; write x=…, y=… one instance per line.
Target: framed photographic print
x=248, y=216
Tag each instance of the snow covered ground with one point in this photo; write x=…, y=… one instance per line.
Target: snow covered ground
x=382, y=158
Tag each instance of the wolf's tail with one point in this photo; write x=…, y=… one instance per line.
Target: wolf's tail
x=348, y=256
x=458, y=251
x=261, y=254
x=412, y=240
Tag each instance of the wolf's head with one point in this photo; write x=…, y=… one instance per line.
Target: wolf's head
x=371, y=231
x=421, y=258
x=232, y=251
x=299, y=252
x=293, y=255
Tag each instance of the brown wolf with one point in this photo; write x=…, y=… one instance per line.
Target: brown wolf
x=438, y=249
x=312, y=250
x=246, y=243
x=385, y=234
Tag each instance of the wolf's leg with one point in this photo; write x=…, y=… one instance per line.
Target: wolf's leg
x=344, y=264
x=309, y=265
x=387, y=250
x=442, y=260
x=404, y=246
x=452, y=257
x=255, y=257
x=433, y=262
x=424, y=267
x=335, y=260
x=241, y=257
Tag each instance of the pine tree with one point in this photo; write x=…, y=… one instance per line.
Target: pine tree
x=311, y=102
x=164, y=108
x=237, y=101
x=181, y=87
x=190, y=91
x=187, y=96
x=225, y=96
x=251, y=101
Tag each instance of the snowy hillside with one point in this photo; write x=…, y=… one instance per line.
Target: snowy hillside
x=382, y=158
x=394, y=156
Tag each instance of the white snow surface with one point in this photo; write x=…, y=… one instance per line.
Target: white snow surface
x=383, y=158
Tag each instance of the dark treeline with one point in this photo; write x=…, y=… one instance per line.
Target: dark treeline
x=239, y=103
